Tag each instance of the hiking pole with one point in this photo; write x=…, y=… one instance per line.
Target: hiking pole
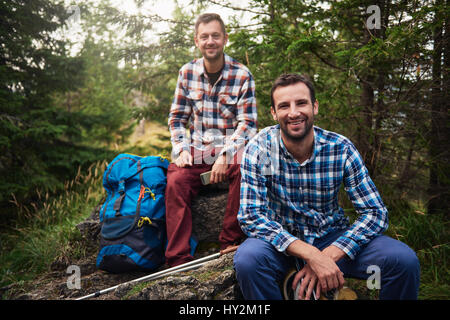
x=180, y=268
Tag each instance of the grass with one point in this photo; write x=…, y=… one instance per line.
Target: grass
x=155, y=141
x=428, y=236
x=46, y=231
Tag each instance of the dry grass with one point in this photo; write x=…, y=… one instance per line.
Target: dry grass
x=152, y=138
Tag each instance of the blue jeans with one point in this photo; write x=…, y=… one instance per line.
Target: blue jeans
x=260, y=267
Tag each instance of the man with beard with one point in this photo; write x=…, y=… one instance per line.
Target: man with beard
x=216, y=94
x=291, y=175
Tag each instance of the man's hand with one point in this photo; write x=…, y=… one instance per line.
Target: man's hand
x=320, y=273
x=309, y=283
x=184, y=159
x=219, y=169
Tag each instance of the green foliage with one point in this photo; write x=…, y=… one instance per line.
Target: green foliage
x=101, y=100
x=429, y=237
x=46, y=229
x=57, y=112
x=35, y=131
x=157, y=62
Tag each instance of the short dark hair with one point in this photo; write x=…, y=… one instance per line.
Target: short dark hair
x=288, y=79
x=208, y=17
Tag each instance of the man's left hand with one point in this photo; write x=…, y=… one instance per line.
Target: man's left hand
x=219, y=170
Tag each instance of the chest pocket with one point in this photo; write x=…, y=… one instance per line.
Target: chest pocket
x=196, y=99
x=320, y=194
x=227, y=106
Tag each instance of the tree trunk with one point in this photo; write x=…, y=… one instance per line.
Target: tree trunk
x=370, y=141
x=438, y=148
x=365, y=133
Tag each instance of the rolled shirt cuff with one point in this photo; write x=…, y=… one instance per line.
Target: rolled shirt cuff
x=349, y=246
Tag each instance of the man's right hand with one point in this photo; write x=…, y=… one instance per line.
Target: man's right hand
x=328, y=274
x=321, y=272
x=184, y=159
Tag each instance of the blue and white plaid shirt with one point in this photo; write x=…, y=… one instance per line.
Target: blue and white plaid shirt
x=283, y=200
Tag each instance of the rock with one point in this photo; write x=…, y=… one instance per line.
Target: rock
x=27, y=296
x=346, y=294
x=5, y=289
x=90, y=230
x=122, y=290
x=208, y=210
x=215, y=280
x=60, y=263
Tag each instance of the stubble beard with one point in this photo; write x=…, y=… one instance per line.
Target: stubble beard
x=217, y=56
x=298, y=137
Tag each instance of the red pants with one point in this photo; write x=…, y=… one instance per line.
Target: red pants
x=183, y=185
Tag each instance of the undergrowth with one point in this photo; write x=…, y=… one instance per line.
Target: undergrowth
x=46, y=229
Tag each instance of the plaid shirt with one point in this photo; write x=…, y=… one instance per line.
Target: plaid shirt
x=283, y=200
x=223, y=115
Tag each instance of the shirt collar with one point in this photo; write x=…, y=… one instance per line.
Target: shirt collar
x=200, y=68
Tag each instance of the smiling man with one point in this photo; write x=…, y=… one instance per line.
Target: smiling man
x=216, y=96
x=291, y=175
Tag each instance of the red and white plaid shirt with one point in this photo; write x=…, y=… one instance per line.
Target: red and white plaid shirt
x=222, y=115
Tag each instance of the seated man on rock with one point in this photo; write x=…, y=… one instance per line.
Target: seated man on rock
x=291, y=174
x=217, y=95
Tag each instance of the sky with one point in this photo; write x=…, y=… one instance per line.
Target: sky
x=162, y=8
x=165, y=8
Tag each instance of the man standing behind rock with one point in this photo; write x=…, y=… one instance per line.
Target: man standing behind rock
x=217, y=95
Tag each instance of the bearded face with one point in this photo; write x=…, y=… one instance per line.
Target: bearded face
x=210, y=40
x=294, y=111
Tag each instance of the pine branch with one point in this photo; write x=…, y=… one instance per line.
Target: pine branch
x=229, y=6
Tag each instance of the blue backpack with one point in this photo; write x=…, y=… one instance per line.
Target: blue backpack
x=133, y=232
